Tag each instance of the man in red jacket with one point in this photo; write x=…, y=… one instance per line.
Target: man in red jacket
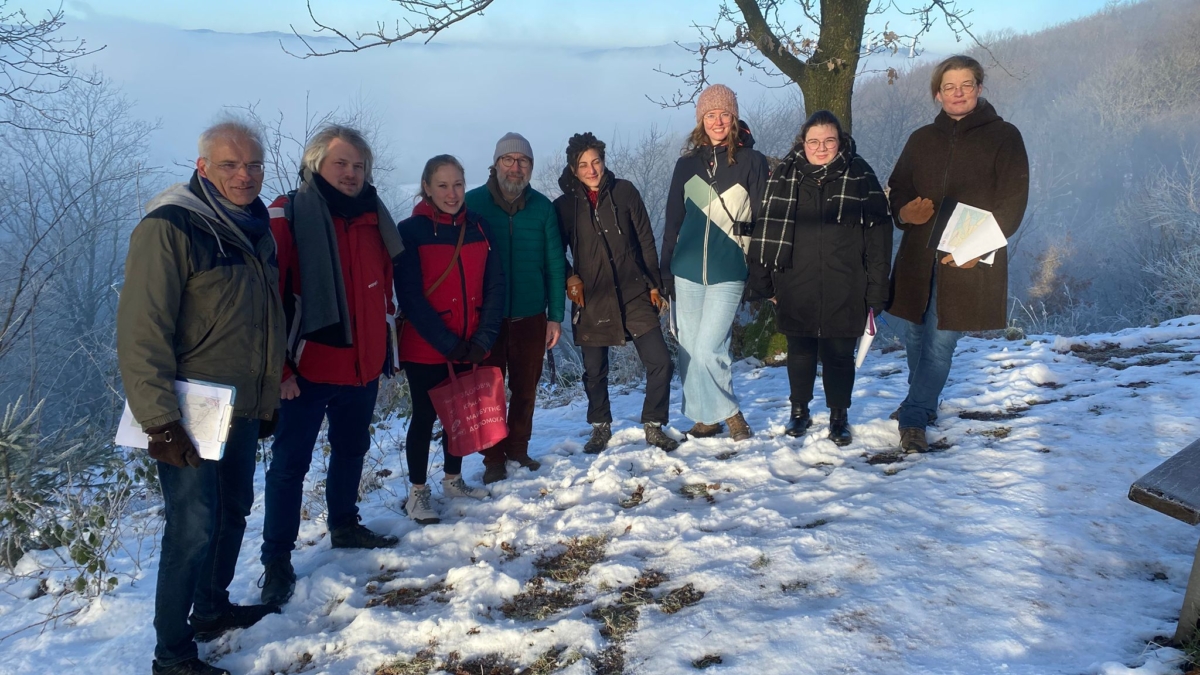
x=336, y=242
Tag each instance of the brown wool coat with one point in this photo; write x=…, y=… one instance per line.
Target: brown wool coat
x=980, y=160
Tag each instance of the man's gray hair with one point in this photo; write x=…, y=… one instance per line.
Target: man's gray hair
x=231, y=129
x=318, y=147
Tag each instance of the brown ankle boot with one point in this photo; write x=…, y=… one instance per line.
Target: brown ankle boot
x=702, y=430
x=738, y=429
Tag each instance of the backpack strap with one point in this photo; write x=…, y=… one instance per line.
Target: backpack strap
x=462, y=233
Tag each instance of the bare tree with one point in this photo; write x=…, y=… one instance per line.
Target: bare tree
x=815, y=44
x=648, y=163
x=35, y=62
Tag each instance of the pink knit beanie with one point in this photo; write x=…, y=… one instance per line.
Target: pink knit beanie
x=716, y=97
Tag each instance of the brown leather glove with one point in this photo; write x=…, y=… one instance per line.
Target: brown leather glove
x=660, y=303
x=575, y=290
x=170, y=443
x=916, y=212
x=949, y=260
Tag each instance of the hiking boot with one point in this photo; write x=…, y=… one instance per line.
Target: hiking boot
x=457, y=487
x=799, y=422
x=418, y=507
x=912, y=439
x=494, y=472
x=738, y=429
x=526, y=461
x=278, y=582
x=839, y=427
x=702, y=430
x=355, y=535
x=601, y=435
x=237, y=616
x=189, y=667
x=658, y=438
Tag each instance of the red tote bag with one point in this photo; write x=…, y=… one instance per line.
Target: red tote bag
x=472, y=409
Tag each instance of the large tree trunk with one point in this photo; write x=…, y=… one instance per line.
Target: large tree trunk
x=827, y=78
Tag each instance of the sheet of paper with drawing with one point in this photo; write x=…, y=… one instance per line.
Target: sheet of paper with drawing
x=207, y=411
x=972, y=233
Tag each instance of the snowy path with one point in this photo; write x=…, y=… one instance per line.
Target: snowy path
x=1015, y=550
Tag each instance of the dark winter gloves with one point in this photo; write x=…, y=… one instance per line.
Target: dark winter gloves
x=170, y=443
x=575, y=290
x=466, y=351
x=668, y=287
x=916, y=212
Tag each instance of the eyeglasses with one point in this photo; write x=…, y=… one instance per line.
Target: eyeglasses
x=713, y=116
x=508, y=162
x=965, y=87
x=827, y=144
x=252, y=168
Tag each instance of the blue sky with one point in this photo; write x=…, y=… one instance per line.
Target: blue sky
x=611, y=23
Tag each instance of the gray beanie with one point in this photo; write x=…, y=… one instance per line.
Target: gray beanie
x=512, y=142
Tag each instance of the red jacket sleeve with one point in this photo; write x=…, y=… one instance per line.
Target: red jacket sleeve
x=285, y=252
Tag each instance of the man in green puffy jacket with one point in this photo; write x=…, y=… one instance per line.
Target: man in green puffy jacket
x=525, y=229
x=201, y=302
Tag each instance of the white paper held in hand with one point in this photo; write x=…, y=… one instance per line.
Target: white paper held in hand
x=207, y=410
x=864, y=342
x=972, y=233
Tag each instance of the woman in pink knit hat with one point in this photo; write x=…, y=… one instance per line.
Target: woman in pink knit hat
x=711, y=208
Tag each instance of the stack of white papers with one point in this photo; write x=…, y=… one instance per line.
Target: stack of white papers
x=207, y=411
x=864, y=342
x=972, y=233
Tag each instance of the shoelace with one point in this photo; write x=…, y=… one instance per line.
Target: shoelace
x=423, y=499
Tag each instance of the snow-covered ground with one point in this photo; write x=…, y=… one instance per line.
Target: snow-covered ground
x=1014, y=549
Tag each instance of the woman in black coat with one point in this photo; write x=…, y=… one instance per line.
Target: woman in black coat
x=613, y=282
x=822, y=253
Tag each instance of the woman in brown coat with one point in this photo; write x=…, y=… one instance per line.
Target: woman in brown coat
x=971, y=155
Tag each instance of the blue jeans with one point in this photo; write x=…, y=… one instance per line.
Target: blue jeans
x=206, y=511
x=704, y=320
x=929, y=351
x=349, y=409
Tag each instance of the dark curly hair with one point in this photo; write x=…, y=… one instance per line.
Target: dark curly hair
x=581, y=143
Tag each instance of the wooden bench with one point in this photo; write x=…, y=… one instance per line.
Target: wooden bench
x=1173, y=488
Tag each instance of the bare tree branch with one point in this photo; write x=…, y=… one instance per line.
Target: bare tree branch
x=429, y=18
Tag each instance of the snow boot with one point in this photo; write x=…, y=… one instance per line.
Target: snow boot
x=189, y=667
x=418, y=506
x=896, y=416
x=278, y=582
x=738, y=429
x=702, y=430
x=236, y=616
x=839, y=427
x=355, y=535
x=912, y=439
x=658, y=438
x=494, y=472
x=457, y=487
x=601, y=435
x=526, y=461
x=799, y=422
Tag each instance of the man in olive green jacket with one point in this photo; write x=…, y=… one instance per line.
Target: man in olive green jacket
x=201, y=302
x=525, y=230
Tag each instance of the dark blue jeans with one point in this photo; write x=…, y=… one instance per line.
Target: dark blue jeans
x=929, y=353
x=206, y=511
x=349, y=409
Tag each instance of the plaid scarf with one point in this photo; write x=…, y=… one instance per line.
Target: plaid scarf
x=859, y=200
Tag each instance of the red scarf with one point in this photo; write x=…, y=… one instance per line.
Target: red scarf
x=593, y=196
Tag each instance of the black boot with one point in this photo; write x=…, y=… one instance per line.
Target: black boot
x=839, y=427
x=355, y=535
x=189, y=667
x=237, y=616
x=658, y=438
x=799, y=422
x=601, y=434
x=278, y=582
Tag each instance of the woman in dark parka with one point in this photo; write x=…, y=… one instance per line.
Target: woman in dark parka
x=822, y=255
x=971, y=155
x=613, y=283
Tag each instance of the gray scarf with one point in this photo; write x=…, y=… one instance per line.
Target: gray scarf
x=325, y=314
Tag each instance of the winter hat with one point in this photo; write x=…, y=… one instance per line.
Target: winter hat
x=512, y=142
x=716, y=97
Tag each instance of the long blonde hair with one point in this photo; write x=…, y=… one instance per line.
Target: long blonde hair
x=699, y=139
